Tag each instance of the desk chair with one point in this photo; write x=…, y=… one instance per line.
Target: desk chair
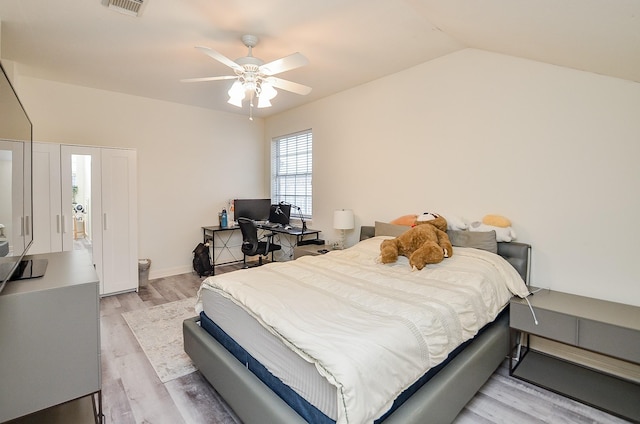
x=252, y=245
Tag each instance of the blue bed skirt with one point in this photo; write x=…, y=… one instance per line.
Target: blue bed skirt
x=306, y=410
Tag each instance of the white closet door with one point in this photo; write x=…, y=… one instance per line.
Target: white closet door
x=105, y=184
x=12, y=213
x=90, y=173
x=47, y=209
x=119, y=220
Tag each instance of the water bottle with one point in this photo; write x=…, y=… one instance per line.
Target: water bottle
x=223, y=224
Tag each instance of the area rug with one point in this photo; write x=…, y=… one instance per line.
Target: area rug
x=159, y=331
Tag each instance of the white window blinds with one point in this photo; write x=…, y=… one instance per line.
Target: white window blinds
x=291, y=171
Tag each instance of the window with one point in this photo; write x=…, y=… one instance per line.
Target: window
x=291, y=171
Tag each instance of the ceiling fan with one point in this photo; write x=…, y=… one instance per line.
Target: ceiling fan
x=253, y=77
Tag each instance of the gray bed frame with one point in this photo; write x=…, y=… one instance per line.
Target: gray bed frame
x=438, y=401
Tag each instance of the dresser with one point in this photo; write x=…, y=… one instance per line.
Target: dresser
x=595, y=325
x=50, y=337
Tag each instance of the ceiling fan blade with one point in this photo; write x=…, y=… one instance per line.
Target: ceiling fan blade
x=294, y=87
x=226, y=77
x=219, y=57
x=286, y=63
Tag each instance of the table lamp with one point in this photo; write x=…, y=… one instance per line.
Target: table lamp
x=343, y=220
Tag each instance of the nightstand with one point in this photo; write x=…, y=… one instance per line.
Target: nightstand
x=310, y=250
x=608, y=328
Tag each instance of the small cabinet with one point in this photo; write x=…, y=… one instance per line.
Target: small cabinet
x=50, y=333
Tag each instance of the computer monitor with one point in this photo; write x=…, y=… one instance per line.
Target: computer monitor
x=256, y=209
x=279, y=214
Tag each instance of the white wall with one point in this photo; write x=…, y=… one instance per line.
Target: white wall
x=189, y=159
x=472, y=133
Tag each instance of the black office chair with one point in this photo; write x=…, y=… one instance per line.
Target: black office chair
x=252, y=245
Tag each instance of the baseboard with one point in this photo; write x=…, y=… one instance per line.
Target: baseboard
x=168, y=272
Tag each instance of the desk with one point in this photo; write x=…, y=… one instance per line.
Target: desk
x=293, y=231
x=211, y=233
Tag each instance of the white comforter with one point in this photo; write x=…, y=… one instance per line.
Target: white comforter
x=372, y=329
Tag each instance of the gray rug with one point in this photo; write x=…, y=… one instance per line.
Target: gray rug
x=159, y=331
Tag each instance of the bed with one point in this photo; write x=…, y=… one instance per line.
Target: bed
x=271, y=368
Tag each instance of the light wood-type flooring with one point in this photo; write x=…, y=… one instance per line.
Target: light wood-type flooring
x=132, y=393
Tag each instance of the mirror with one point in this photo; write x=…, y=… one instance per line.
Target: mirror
x=16, y=233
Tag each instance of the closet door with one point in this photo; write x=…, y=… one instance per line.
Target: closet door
x=119, y=220
x=12, y=211
x=81, y=176
x=47, y=209
x=99, y=204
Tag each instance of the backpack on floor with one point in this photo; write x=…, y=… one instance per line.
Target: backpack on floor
x=201, y=260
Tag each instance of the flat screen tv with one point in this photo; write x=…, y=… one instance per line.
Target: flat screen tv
x=256, y=209
x=16, y=232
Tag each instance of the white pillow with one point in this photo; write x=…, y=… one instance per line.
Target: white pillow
x=502, y=234
x=455, y=222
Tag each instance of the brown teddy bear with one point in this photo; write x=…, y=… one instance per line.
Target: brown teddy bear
x=426, y=243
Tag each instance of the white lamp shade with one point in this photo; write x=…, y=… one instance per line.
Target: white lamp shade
x=263, y=102
x=268, y=91
x=343, y=219
x=236, y=101
x=236, y=94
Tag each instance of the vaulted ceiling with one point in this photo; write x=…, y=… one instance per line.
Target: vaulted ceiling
x=347, y=42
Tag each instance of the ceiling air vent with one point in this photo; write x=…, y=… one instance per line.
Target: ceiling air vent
x=128, y=7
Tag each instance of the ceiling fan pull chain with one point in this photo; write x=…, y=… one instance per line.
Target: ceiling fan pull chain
x=251, y=106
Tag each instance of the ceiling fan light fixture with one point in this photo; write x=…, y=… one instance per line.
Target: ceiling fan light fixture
x=267, y=90
x=263, y=102
x=235, y=101
x=249, y=87
x=237, y=90
x=236, y=94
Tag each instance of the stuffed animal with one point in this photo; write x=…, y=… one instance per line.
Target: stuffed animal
x=454, y=222
x=497, y=223
x=408, y=220
x=426, y=243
